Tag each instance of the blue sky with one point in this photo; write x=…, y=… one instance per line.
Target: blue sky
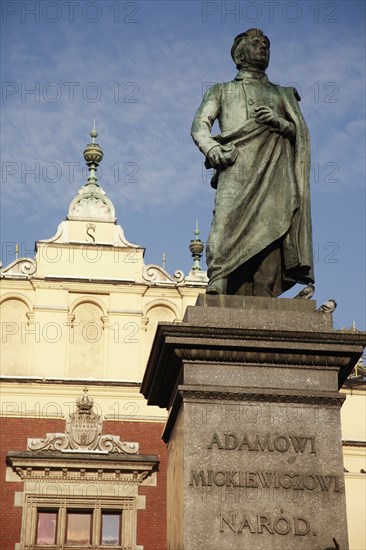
x=141, y=68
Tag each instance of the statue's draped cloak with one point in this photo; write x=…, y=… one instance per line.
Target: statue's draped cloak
x=263, y=197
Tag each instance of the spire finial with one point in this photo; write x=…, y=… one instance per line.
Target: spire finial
x=197, y=231
x=94, y=133
x=93, y=155
x=196, y=247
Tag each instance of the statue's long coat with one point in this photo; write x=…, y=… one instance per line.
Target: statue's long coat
x=264, y=196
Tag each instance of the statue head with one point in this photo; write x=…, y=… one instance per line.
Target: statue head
x=251, y=50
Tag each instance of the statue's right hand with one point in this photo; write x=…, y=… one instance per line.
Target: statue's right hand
x=216, y=158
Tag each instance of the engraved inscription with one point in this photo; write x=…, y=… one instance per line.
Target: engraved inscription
x=265, y=480
x=281, y=465
x=272, y=443
x=258, y=524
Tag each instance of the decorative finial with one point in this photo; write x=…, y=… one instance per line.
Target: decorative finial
x=93, y=155
x=196, y=247
x=94, y=132
x=196, y=231
x=163, y=261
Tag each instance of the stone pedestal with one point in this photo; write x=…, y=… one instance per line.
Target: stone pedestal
x=254, y=434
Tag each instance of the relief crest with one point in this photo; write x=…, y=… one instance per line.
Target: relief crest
x=84, y=426
x=83, y=433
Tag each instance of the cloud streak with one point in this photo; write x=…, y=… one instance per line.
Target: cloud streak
x=150, y=76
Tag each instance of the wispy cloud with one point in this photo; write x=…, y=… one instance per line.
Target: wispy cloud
x=150, y=76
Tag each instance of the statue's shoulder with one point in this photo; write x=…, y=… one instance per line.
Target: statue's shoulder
x=227, y=88
x=213, y=92
x=230, y=84
x=219, y=87
x=290, y=91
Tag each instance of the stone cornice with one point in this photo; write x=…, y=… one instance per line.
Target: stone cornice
x=5, y=379
x=274, y=356
x=76, y=467
x=177, y=343
x=185, y=330
x=212, y=393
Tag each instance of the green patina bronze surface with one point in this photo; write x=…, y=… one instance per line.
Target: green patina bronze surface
x=260, y=241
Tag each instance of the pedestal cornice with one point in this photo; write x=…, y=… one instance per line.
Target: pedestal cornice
x=178, y=343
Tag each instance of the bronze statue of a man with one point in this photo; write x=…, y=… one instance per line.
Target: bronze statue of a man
x=260, y=241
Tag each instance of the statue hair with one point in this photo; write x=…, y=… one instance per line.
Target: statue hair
x=238, y=40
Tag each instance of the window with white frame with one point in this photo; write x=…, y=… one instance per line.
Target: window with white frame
x=78, y=527
x=74, y=523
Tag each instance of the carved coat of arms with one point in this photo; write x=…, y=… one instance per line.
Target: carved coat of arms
x=84, y=426
x=83, y=433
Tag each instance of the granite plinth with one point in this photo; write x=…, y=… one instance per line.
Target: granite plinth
x=253, y=434
x=257, y=312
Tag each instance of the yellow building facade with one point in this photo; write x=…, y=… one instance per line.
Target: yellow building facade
x=84, y=312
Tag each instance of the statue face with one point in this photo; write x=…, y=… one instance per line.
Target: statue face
x=255, y=52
